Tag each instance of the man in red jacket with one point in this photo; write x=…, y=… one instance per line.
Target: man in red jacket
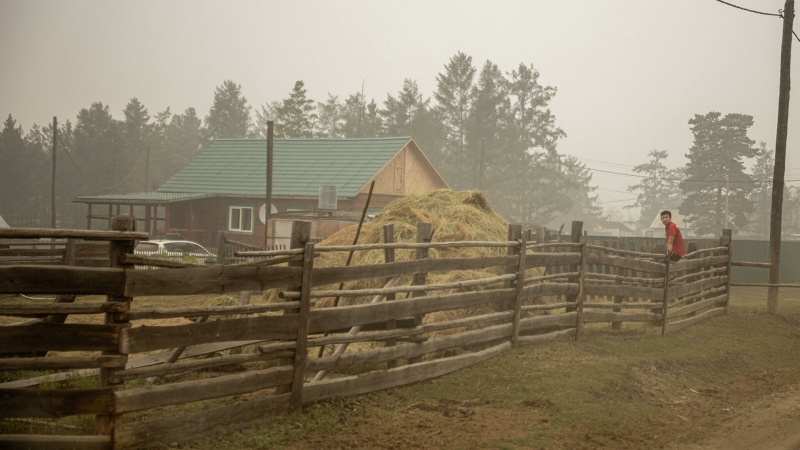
x=675, y=249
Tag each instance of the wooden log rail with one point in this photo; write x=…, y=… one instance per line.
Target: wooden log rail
x=97, y=235
x=399, y=289
x=498, y=317
x=631, y=253
x=396, y=246
x=43, y=310
x=555, y=245
x=760, y=265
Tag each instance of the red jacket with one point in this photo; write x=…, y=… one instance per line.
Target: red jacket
x=677, y=244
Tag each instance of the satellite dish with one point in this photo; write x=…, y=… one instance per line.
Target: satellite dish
x=262, y=212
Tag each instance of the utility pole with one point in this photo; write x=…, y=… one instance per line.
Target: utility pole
x=268, y=206
x=146, y=166
x=480, y=172
x=53, y=178
x=776, y=212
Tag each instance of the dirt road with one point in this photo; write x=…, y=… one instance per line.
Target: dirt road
x=771, y=422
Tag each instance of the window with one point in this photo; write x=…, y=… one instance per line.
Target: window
x=290, y=208
x=146, y=247
x=241, y=219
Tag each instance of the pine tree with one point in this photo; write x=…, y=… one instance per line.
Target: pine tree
x=535, y=123
x=295, y=117
x=137, y=135
x=489, y=123
x=716, y=171
x=454, y=95
x=576, y=186
x=410, y=115
x=97, y=149
x=526, y=178
x=229, y=116
x=180, y=141
x=657, y=191
x=16, y=165
x=330, y=119
x=399, y=113
x=264, y=113
x=761, y=197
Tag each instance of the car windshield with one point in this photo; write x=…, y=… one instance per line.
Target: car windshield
x=185, y=247
x=147, y=247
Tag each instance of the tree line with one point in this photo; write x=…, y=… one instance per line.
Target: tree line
x=715, y=190
x=482, y=128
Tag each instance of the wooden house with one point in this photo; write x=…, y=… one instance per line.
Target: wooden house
x=224, y=188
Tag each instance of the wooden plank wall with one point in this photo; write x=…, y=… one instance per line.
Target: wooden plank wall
x=540, y=291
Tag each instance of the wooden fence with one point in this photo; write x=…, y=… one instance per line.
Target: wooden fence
x=529, y=292
x=73, y=252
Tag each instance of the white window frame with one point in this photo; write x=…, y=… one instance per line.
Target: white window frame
x=240, y=210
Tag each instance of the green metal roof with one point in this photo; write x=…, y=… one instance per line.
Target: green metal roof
x=143, y=197
x=300, y=166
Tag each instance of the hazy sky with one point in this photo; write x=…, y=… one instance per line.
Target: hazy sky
x=629, y=73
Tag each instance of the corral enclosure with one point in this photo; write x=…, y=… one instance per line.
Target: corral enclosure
x=519, y=291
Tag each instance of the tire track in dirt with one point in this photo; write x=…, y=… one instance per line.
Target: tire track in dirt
x=771, y=422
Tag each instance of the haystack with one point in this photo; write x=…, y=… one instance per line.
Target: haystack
x=454, y=216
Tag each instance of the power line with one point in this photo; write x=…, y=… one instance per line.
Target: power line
x=751, y=10
x=670, y=179
x=611, y=190
x=617, y=201
x=606, y=163
x=66, y=150
x=780, y=14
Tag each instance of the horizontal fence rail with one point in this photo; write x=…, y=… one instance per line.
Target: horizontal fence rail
x=397, y=323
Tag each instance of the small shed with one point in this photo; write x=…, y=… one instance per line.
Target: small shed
x=224, y=188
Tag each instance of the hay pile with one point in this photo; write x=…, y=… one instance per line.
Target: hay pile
x=454, y=215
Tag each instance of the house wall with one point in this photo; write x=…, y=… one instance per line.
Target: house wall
x=201, y=220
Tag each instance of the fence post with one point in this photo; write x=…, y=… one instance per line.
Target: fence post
x=692, y=246
x=388, y=256
x=576, y=232
x=619, y=271
x=520, y=287
x=301, y=234
x=105, y=423
x=727, y=242
x=581, y=290
x=221, y=249
x=424, y=234
x=514, y=234
x=300, y=353
x=666, y=298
